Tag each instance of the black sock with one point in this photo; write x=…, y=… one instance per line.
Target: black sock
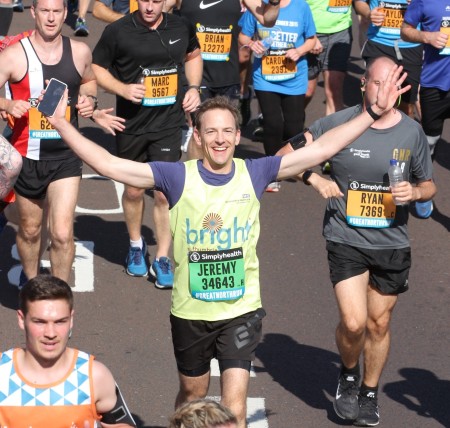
x=368, y=391
x=6, y=15
x=353, y=371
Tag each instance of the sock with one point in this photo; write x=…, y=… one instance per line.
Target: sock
x=139, y=243
x=354, y=371
x=432, y=141
x=368, y=391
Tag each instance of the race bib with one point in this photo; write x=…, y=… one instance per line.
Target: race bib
x=445, y=28
x=275, y=67
x=339, y=6
x=215, y=43
x=161, y=86
x=216, y=276
x=39, y=127
x=393, y=16
x=370, y=205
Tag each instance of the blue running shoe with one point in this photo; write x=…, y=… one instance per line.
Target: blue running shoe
x=3, y=222
x=135, y=261
x=81, y=28
x=424, y=209
x=161, y=270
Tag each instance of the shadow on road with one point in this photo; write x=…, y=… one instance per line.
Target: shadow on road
x=423, y=393
x=110, y=237
x=308, y=372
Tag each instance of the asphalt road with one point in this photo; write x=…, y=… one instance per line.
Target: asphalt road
x=124, y=321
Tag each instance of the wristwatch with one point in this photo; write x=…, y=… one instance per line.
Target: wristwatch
x=274, y=3
x=306, y=175
x=196, y=87
x=95, y=99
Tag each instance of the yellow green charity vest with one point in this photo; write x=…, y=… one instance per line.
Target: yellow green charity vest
x=215, y=230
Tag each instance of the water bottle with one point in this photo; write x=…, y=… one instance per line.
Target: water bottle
x=267, y=43
x=395, y=176
x=141, y=79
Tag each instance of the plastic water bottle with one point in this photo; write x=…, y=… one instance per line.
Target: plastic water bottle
x=267, y=43
x=395, y=176
x=141, y=79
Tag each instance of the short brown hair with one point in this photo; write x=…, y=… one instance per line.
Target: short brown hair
x=202, y=414
x=219, y=103
x=44, y=287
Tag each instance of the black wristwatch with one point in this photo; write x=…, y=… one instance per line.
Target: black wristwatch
x=95, y=99
x=306, y=175
x=274, y=3
x=372, y=114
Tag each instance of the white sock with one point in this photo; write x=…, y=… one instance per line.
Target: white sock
x=139, y=243
x=432, y=141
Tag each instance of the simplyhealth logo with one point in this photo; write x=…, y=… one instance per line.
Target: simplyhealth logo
x=213, y=233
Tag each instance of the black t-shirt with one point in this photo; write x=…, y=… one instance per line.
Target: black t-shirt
x=217, y=29
x=126, y=46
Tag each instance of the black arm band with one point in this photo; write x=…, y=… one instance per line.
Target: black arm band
x=298, y=141
x=119, y=413
x=274, y=3
x=372, y=114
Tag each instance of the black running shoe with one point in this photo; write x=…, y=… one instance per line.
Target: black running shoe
x=369, y=414
x=346, y=400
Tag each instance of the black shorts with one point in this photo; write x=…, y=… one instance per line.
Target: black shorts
x=411, y=59
x=233, y=92
x=197, y=342
x=388, y=269
x=435, y=106
x=35, y=176
x=152, y=146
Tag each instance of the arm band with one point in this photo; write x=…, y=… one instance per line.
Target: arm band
x=298, y=141
x=119, y=414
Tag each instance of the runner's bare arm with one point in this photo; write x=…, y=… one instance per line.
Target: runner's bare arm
x=130, y=91
x=109, y=401
x=134, y=174
x=336, y=139
x=10, y=166
x=13, y=67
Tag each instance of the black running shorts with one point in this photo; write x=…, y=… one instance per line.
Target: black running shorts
x=435, y=110
x=388, y=269
x=162, y=146
x=35, y=176
x=196, y=342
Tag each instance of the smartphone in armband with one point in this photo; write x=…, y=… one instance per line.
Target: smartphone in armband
x=52, y=97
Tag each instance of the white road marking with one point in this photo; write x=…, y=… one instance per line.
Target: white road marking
x=119, y=190
x=215, y=371
x=256, y=412
x=83, y=267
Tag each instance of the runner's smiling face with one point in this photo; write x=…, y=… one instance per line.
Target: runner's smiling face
x=150, y=11
x=218, y=137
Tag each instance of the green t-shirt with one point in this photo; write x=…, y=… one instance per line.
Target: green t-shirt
x=331, y=16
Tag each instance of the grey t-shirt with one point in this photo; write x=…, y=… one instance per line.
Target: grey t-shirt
x=361, y=220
